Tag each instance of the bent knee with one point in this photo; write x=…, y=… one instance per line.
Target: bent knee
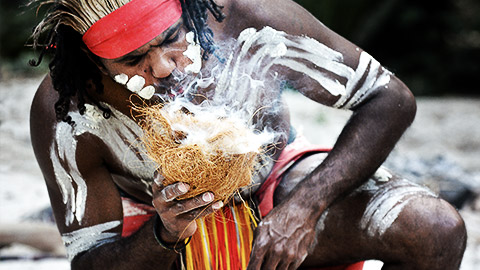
x=430, y=230
x=436, y=220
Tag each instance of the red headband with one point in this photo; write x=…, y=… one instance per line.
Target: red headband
x=131, y=26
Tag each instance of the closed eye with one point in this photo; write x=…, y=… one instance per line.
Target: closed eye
x=133, y=59
x=172, y=39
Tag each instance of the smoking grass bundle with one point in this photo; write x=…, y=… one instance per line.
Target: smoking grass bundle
x=208, y=152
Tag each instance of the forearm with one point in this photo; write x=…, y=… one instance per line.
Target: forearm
x=364, y=144
x=138, y=251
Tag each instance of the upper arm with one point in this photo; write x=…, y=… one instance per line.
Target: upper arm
x=319, y=63
x=83, y=196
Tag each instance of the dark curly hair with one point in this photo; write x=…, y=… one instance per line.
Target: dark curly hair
x=71, y=69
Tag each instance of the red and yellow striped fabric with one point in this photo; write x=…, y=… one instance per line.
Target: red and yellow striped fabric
x=222, y=241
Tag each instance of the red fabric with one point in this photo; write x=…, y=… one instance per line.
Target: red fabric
x=131, y=26
x=135, y=214
x=134, y=223
x=287, y=158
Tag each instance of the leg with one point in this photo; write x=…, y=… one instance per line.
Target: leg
x=388, y=219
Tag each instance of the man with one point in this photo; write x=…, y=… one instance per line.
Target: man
x=325, y=213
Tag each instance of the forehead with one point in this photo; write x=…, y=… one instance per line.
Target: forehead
x=131, y=26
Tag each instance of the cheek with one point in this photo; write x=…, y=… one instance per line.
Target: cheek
x=114, y=70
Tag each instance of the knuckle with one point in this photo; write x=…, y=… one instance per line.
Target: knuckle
x=208, y=211
x=167, y=194
x=291, y=255
x=179, y=207
x=279, y=250
x=198, y=200
x=261, y=242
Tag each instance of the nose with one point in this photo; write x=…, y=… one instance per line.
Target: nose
x=161, y=64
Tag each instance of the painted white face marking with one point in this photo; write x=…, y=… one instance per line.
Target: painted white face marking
x=147, y=92
x=135, y=85
x=121, y=78
x=193, y=53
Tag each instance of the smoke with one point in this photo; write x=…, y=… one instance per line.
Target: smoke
x=235, y=85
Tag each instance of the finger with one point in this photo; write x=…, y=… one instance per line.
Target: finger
x=272, y=261
x=202, y=212
x=294, y=265
x=188, y=205
x=257, y=256
x=297, y=263
x=213, y=207
x=171, y=192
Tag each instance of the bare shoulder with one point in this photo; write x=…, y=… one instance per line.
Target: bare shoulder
x=283, y=15
x=44, y=100
x=42, y=117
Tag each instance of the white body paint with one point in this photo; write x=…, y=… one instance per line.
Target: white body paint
x=382, y=175
x=119, y=133
x=194, y=53
x=321, y=221
x=136, y=85
x=121, y=78
x=248, y=71
x=376, y=77
x=387, y=201
x=86, y=238
x=147, y=92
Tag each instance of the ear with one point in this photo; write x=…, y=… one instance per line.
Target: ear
x=95, y=59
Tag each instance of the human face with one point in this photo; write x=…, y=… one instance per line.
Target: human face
x=155, y=61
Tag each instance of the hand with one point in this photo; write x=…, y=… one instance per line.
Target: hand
x=283, y=239
x=178, y=216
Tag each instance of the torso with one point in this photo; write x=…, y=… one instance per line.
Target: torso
x=122, y=153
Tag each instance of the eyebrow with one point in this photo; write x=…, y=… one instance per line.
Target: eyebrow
x=169, y=32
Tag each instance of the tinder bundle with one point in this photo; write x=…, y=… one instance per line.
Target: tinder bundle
x=207, y=151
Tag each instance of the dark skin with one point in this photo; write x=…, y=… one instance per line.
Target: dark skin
x=287, y=236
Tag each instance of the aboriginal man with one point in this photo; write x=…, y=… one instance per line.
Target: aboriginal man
x=319, y=210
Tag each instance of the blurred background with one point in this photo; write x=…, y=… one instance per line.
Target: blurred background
x=433, y=46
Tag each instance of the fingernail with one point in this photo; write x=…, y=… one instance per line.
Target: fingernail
x=183, y=187
x=217, y=205
x=207, y=197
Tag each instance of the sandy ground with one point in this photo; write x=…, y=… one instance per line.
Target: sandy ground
x=446, y=127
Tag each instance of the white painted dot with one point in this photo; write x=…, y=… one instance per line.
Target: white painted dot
x=136, y=83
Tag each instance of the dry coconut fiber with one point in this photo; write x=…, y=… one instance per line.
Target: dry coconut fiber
x=208, y=152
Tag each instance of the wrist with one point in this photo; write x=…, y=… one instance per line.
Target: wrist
x=175, y=245
x=310, y=208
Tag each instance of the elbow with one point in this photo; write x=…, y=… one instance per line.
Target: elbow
x=405, y=102
x=400, y=102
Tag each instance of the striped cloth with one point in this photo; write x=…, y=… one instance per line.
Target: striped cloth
x=223, y=240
